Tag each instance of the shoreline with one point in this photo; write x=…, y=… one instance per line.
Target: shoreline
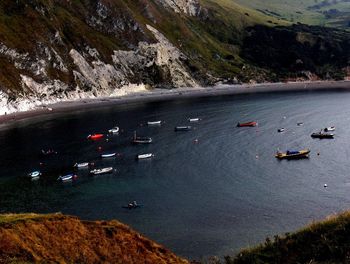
x=158, y=95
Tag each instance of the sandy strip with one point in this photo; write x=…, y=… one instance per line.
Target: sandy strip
x=180, y=93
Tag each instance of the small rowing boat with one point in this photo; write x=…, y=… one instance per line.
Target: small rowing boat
x=108, y=155
x=114, y=130
x=81, y=165
x=34, y=174
x=132, y=205
x=195, y=119
x=145, y=156
x=101, y=171
x=247, y=124
x=95, y=136
x=141, y=140
x=183, y=128
x=327, y=129
x=66, y=178
x=154, y=123
x=293, y=154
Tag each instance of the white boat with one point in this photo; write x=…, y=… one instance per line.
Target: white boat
x=81, y=165
x=154, y=123
x=114, y=130
x=280, y=130
x=196, y=119
x=145, y=156
x=102, y=171
x=108, y=155
x=34, y=174
x=183, y=128
x=327, y=129
x=68, y=177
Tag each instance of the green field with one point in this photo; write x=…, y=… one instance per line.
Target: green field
x=313, y=12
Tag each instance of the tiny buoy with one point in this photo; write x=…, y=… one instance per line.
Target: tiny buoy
x=99, y=148
x=325, y=185
x=318, y=153
x=256, y=156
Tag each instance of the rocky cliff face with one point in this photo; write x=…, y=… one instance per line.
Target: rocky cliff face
x=188, y=7
x=54, y=71
x=52, y=50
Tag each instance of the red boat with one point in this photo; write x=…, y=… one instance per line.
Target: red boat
x=95, y=136
x=248, y=124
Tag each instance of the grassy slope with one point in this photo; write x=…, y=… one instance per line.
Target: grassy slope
x=323, y=242
x=299, y=11
x=62, y=239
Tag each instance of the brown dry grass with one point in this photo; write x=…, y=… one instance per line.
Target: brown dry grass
x=65, y=239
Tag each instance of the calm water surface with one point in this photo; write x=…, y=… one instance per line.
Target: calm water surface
x=211, y=198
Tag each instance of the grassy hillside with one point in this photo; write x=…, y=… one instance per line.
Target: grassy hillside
x=334, y=13
x=31, y=238
x=219, y=43
x=323, y=242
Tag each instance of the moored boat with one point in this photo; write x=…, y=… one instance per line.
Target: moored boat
x=34, y=174
x=280, y=130
x=101, y=171
x=183, y=128
x=132, y=205
x=108, y=155
x=327, y=129
x=247, y=124
x=66, y=178
x=81, y=165
x=141, y=140
x=95, y=136
x=322, y=135
x=195, y=119
x=154, y=123
x=145, y=156
x=48, y=152
x=293, y=154
x=300, y=124
x=114, y=130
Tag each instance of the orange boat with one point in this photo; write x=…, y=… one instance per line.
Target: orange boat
x=95, y=136
x=248, y=124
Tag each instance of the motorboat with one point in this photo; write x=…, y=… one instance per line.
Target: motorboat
x=154, y=123
x=66, y=178
x=81, y=165
x=327, y=129
x=322, y=135
x=280, y=130
x=247, y=124
x=183, y=128
x=114, y=130
x=101, y=171
x=145, y=156
x=141, y=140
x=48, y=152
x=293, y=154
x=34, y=174
x=195, y=119
x=95, y=136
x=108, y=155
